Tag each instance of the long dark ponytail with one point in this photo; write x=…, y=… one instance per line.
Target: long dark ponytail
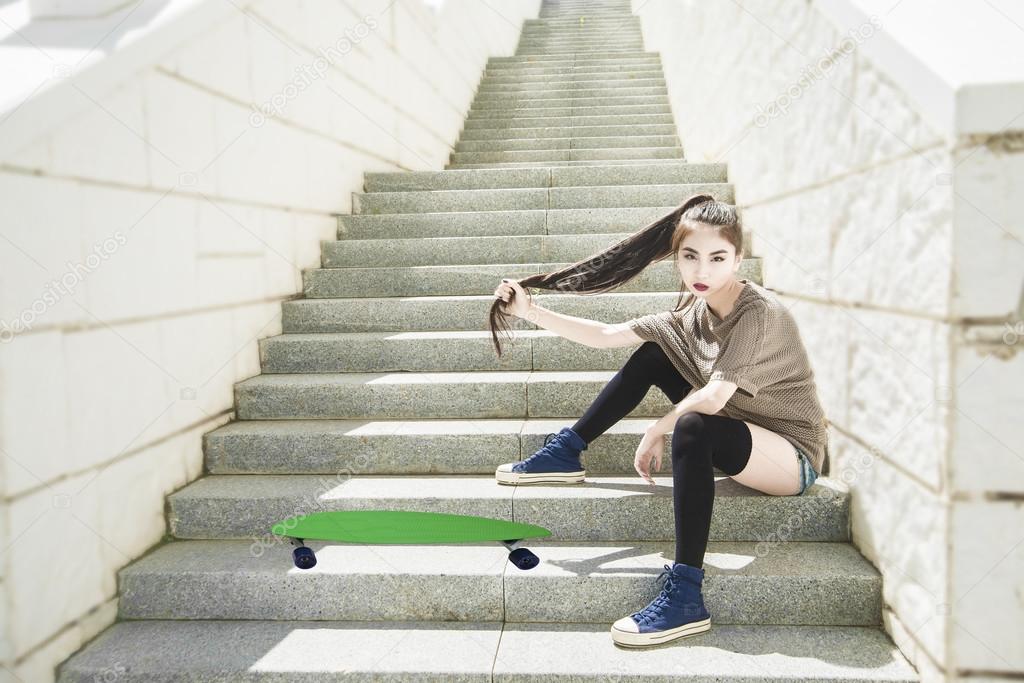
x=624, y=260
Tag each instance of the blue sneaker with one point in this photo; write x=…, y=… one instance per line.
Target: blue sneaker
x=678, y=611
x=557, y=462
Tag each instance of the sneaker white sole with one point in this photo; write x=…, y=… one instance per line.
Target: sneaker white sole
x=503, y=477
x=642, y=639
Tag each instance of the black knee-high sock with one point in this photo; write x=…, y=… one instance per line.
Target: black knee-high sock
x=646, y=367
x=699, y=444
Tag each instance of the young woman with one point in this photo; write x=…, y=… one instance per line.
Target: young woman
x=731, y=360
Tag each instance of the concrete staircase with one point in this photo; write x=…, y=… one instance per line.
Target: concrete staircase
x=384, y=393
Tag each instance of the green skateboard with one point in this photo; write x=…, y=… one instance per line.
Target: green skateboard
x=404, y=527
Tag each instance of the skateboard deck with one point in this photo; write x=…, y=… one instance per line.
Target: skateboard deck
x=404, y=527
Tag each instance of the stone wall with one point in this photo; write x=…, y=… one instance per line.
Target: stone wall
x=147, y=244
x=897, y=245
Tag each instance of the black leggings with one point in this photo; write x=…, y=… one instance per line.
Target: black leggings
x=699, y=443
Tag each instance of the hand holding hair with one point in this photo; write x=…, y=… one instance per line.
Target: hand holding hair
x=510, y=291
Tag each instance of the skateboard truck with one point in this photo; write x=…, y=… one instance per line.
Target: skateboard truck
x=303, y=556
x=521, y=557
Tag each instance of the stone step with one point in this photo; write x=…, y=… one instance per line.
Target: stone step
x=509, y=123
x=610, y=34
x=451, y=251
x=550, y=76
x=515, y=135
x=570, y=83
x=548, y=67
x=566, y=143
x=646, y=154
x=628, y=34
x=470, y=280
x=543, y=69
x=441, y=251
x=598, y=49
x=579, y=45
x=533, y=107
x=632, y=174
x=587, y=14
x=418, y=314
x=619, y=72
x=505, y=83
x=503, y=223
x=246, y=506
x=412, y=652
x=584, y=28
x=570, y=110
x=542, y=164
x=569, y=59
x=532, y=26
x=551, y=46
x=430, y=352
x=590, y=92
x=524, y=198
x=506, y=394
x=745, y=583
x=383, y=446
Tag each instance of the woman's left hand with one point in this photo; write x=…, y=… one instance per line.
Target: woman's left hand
x=651, y=449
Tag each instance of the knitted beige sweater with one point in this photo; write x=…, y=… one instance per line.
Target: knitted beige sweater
x=758, y=347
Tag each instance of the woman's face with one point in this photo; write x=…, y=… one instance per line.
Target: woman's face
x=706, y=258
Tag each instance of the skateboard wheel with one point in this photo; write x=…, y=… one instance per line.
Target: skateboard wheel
x=523, y=558
x=304, y=558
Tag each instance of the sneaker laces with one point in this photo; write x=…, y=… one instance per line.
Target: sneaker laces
x=654, y=609
x=544, y=450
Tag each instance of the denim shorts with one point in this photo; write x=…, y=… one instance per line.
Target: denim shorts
x=807, y=473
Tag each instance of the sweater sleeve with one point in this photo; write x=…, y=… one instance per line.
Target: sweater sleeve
x=738, y=357
x=653, y=327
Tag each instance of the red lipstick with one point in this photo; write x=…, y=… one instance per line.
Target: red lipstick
x=700, y=287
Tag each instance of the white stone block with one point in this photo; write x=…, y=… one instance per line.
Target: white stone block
x=281, y=267
x=824, y=331
x=310, y=231
x=217, y=59
x=36, y=155
x=41, y=269
x=120, y=392
x=989, y=236
x=255, y=322
x=148, y=241
x=198, y=353
x=107, y=140
x=182, y=135
x=900, y=389
x=988, y=586
x=269, y=58
x=32, y=436
x=928, y=670
x=52, y=9
x=228, y=229
x=852, y=235
x=140, y=483
x=55, y=569
x=901, y=528
x=40, y=666
x=987, y=453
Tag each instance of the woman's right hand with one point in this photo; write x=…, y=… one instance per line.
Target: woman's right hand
x=521, y=299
